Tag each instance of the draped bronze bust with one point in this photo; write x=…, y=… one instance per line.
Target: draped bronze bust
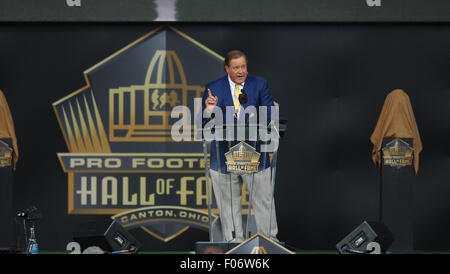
x=396, y=121
x=7, y=127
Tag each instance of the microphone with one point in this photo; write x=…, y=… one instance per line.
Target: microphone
x=243, y=99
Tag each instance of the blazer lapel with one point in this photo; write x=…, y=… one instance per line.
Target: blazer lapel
x=248, y=86
x=226, y=92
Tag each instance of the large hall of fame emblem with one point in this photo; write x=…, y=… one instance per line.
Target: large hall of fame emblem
x=122, y=160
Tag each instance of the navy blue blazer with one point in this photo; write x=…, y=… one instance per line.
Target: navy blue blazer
x=258, y=94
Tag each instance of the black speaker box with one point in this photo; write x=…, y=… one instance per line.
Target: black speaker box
x=10, y=250
x=106, y=234
x=356, y=242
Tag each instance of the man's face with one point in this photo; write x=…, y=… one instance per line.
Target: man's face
x=237, y=70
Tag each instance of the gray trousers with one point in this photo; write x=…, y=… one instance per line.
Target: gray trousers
x=228, y=187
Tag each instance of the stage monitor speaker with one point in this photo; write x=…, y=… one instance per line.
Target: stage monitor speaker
x=109, y=236
x=357, y=241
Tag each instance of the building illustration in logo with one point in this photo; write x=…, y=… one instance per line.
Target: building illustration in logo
x=242, y=158
x=157, y=98
x=121, y=159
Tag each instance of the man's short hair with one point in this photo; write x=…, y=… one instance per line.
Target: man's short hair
x=234, y=54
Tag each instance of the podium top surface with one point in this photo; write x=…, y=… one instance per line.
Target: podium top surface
x=242, y=132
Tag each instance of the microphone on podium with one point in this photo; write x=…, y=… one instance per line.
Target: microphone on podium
x=243, y=99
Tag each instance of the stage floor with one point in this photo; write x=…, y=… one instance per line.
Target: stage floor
x=305, y=252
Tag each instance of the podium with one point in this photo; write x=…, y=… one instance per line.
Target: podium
x=396, y=192
x=7, y=233
x=242, y=143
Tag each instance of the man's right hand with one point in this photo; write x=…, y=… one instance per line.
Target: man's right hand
x=211, y=101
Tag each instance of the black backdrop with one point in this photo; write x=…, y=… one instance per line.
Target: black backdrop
x=330, y=80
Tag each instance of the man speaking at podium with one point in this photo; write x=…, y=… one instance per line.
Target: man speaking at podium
x=224, y=92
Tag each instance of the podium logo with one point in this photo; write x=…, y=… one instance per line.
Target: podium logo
x=242, y=158
x=73, y=3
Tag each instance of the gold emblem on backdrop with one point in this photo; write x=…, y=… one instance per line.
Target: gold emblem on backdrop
x=398, y=154
x=111, y=131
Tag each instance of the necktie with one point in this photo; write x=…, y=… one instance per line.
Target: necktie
x=237, y=105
